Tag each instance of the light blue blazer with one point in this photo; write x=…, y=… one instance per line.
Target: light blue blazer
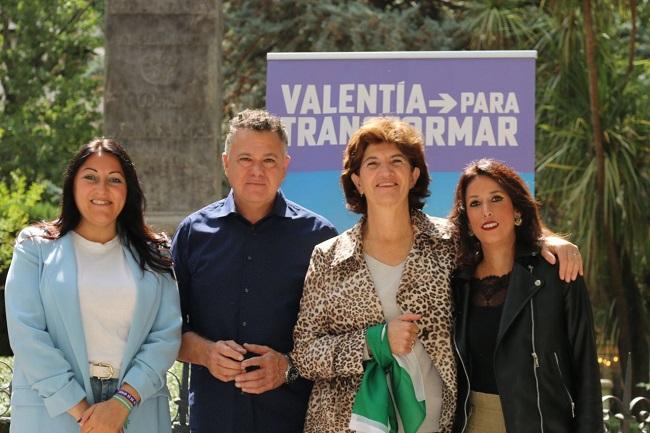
x=46, y=334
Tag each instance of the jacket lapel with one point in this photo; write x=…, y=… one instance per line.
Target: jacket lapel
x=522, y=286
x=411, y=295
x=461, y=305
x=147, y=301
x=349, y=257
x=411, y=277
x=66, y=294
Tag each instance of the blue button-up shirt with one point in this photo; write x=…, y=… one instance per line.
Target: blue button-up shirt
x=243, y=282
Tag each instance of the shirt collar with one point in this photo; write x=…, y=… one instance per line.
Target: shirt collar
x=424, y=226
x=280, y=207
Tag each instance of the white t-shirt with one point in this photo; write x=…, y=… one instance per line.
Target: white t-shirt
x=386, y=279
x=107, y=296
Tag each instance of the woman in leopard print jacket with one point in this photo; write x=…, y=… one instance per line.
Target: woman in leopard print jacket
x=394, y=266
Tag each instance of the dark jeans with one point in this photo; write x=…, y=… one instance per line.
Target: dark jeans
x=103, y=389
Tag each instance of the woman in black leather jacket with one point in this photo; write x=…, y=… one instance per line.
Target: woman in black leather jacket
x=524, y=338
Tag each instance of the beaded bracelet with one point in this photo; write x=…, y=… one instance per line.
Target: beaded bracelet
x=127, y=395
x=123, y=401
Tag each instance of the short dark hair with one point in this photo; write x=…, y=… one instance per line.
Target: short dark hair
x=528, y=234
x=384, y=130
x=255, y=120
x=134, y=233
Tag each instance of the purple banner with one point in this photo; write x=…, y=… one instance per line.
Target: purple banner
x=467, y=105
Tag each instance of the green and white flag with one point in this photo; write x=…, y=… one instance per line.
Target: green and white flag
x=374, y=410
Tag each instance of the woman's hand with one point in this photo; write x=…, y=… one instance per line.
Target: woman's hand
x=78, y=409
x=402, y=333
x=106, y=417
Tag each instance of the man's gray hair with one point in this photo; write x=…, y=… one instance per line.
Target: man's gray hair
x=255, y=120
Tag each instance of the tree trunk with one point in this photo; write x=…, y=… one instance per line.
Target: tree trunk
x=631, y=322
x=632, y=44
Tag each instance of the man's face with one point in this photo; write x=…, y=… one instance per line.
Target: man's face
x=255, y=167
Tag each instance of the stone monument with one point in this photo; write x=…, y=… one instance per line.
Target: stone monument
x=163, y=100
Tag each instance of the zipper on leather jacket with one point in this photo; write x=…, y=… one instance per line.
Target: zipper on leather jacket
x=573, y=405
x=539, y=403
x=462, y=363
x=535, y=361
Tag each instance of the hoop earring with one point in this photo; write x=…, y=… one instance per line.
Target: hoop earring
x=518, y=219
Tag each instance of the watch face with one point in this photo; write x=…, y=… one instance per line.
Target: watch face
x=292, y=374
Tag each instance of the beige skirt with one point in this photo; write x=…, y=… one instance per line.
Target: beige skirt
x=486, y=415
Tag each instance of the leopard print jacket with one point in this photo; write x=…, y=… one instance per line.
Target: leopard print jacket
x=339, y=303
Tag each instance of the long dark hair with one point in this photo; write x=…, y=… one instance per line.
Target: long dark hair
x=528, y=234
x=148, y=248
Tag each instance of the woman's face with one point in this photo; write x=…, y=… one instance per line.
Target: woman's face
x=386, y=176
x=99, y=193
x=490, y=212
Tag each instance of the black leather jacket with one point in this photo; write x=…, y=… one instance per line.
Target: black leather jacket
x=545, y=359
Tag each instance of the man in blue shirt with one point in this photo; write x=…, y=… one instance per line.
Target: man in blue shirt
x=240, y=264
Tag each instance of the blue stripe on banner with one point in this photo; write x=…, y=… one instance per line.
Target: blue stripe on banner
x=321, y=192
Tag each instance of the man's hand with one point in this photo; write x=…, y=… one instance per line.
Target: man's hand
x=568, y=254
x=223, y=359
x=402, y=333
x=270, y=373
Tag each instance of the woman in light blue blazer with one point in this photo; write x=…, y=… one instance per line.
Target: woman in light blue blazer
x=92, y=308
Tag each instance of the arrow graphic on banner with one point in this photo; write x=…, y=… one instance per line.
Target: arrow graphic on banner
x=446, y=104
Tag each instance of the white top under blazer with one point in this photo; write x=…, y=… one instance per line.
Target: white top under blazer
x=107, y=296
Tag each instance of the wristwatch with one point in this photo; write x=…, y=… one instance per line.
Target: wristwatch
x=291, y=373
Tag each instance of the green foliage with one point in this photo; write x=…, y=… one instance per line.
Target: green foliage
x=498, y=24
x=254, y=28
x=565, y=152
x=568, y=166
x=20, y=205
x=49, y=85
